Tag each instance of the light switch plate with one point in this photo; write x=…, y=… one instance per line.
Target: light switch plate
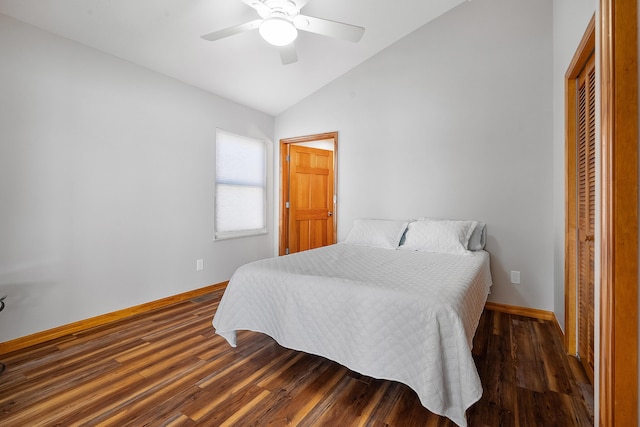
x=515, y=277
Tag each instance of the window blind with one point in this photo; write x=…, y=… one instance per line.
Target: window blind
x=240, y=193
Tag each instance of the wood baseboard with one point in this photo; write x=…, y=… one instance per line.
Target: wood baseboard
x=71, y=328
x=527, y=312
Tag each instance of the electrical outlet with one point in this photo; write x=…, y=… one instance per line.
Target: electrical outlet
x=515, y=277
x=199, y=264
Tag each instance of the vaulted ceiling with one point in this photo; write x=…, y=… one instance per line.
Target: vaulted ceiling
x=164, y=36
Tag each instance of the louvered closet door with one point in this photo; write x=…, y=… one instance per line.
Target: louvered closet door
x=586, y=212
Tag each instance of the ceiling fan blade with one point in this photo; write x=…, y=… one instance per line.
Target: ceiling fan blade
x=217, y=35
x=301, y=3
x=257, y=5
x=329, y=28
x=288, y=54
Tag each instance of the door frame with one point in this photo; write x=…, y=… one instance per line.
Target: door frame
x=284, y=183
x=585, y=49
x=618, y=382
x=618, y=332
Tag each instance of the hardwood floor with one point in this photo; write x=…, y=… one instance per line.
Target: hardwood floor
x=168, y=368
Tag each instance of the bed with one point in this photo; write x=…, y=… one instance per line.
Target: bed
x=383, y=303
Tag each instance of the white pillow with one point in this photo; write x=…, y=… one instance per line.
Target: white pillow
x=478, y=238
x=451, y=237
x=379, y=233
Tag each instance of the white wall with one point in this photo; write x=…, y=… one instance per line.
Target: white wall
x=106, y=183
x=454, y=121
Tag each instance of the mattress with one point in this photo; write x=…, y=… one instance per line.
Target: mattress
x=399, y=315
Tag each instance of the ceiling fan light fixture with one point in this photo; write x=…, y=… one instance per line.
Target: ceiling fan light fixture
x=278, y=31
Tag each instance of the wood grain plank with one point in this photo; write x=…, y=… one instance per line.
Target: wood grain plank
x=131, y=406
x=316, y=393
x=284, y=384
x=529, y=366
x=497, y=405
x=554, y=362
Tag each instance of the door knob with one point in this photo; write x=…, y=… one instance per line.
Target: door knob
x=330, y=213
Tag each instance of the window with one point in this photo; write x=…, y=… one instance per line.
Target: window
x=240, y=194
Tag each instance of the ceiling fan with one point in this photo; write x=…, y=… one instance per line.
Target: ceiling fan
x=279, y=23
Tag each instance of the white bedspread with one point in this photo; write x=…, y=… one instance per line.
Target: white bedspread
x=390, y=314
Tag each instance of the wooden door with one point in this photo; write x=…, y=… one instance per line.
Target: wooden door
x=586, y=190
x=580, y=145
x=311, y=185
